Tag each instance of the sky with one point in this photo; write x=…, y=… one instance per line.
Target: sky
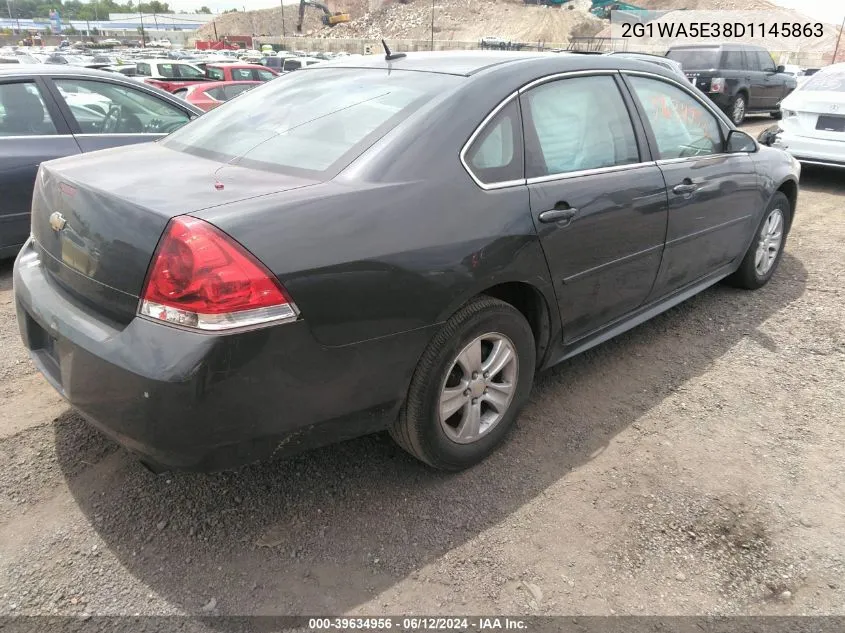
x=827, y=10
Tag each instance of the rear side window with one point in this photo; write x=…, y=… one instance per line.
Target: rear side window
x=264, y=75
x=188, y=72
x=214, y=73
x=143, y=69
x=216, y=93
x=23, y=111
x=242, y=74
x=291, y=64
x=233, y=91
x=320, y=121
x=495, y=155
x=561, y=134
x=733, y=60
x=166, y=71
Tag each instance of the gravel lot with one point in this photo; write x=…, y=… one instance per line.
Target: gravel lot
x=693, y=465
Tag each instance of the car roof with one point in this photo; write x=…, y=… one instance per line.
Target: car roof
x=54, y=69
x=467, y=63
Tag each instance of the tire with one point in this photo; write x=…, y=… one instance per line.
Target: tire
x=419, y=428
x=738, y=108
x=749, y=274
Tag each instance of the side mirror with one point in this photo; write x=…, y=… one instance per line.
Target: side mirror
x=739, y=142
x=780, y=69
x=769, y=136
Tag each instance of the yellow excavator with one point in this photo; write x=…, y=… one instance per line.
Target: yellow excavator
x=328, y=18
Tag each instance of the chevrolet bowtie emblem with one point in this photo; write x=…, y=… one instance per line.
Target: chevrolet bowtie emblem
x=57, y=221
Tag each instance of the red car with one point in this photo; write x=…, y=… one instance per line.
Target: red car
x=239, y=72
x=207, y=96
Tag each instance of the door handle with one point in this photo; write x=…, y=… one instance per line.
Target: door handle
x=558, y=215
x=686, y=186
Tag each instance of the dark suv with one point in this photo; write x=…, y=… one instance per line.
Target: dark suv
x=739, y=78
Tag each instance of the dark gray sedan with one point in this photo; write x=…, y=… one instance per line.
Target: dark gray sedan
x=385, y=243
x=48, y=111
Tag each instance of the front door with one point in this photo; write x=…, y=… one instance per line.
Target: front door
x=110, y=114
x=712, y=194
x=31, y=131
x=598, y=203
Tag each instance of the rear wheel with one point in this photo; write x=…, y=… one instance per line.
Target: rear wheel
x=738, y=108
x=765, y=252
x=469, y=386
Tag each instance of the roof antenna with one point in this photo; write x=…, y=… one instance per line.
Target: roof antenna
x=391, y=56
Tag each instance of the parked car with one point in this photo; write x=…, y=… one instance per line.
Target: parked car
x=739, y=78
x=394, y=244
x=51, y=111
x=239, y=72
x=169, y=74
x=207, y=96
x=296, y=63
x=812, y=127
x=273, y=62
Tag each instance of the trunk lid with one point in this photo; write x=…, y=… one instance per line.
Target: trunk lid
x=818, y=114
x=97, y=218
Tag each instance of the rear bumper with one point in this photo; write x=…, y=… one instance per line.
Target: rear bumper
x=192, y=401
x=813, y=151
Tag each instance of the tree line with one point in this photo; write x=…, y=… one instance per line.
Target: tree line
x=93, y=10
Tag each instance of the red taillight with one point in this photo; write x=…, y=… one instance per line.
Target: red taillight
x=202, y=278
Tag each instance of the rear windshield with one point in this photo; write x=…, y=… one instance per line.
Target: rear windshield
x=695, y=58
x=826, y=82
x=310, y=122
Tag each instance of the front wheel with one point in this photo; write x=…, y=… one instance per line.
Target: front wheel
x=469, y=386
x=765, y=252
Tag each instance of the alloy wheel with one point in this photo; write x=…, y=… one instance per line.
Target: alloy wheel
x=739, y=110
x=478, y=388
x=769, y=243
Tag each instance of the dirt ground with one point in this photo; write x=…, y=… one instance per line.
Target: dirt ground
x=693, y=465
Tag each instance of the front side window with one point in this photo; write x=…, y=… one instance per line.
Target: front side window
x=166, y=71
x=186, y=71
x=215, y=73
x=319, y=121
x=105, y=108
x=682, y=126
x=767, y=64
x=241, y=74
x=23, y=111
x=496, y=154
x=563, y=133
x=143, y=70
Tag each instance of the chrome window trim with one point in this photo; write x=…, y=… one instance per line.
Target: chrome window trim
x=564, y=75
x=588, y=172
x=689, y=159
x=18, y=137
x=478, y=130
x=97, y=135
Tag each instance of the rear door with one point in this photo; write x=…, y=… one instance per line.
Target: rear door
x=712, y=195
x=597, y=199
x=32, y=130
x=758, y=97
x=105, y=114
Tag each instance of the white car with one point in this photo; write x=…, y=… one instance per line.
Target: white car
x=813, y=119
